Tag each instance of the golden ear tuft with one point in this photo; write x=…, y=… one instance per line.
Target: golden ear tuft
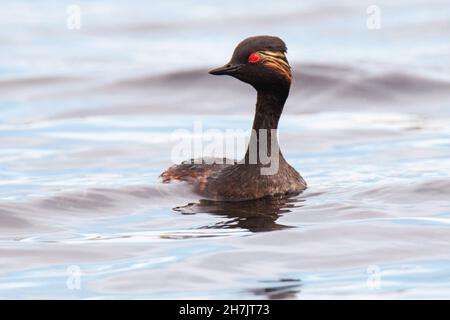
x=277, y=61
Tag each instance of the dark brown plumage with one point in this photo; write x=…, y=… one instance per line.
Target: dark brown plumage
x=261, y=62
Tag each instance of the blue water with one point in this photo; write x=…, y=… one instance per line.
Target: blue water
x=87, y=122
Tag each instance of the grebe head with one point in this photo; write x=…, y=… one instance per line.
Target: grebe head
x=260, y=61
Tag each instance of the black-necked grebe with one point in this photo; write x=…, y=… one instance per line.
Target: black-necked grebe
x=261, y=62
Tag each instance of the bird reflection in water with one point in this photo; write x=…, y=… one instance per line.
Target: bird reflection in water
x=254, y=215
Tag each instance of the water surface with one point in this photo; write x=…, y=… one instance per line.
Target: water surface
x=86, y=127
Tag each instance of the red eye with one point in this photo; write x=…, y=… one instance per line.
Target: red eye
x=254, y=58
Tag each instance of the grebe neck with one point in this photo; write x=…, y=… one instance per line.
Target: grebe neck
x=269, y=106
